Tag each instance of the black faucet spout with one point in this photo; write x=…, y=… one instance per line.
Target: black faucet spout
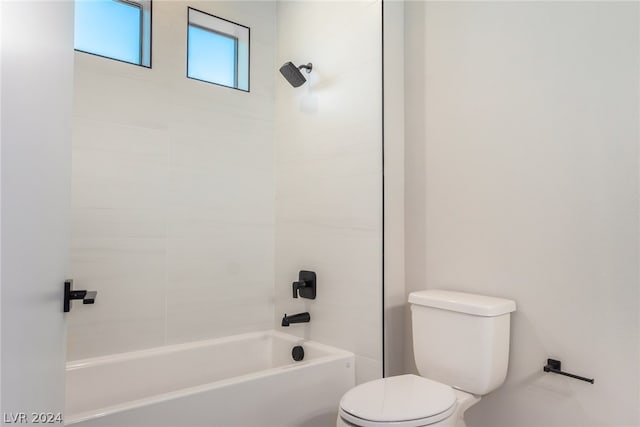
x=296, y=318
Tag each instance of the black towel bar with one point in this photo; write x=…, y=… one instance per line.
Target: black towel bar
x=555, y=367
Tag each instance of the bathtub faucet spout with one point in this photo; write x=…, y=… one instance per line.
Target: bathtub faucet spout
x=296, y=318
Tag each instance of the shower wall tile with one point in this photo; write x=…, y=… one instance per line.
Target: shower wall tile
x=173, y=192
x=221, y=191
x=128, y=314
x=118, y=225
x=329, y=175
x=345, y=311
x=220, y=278
x=175, y=209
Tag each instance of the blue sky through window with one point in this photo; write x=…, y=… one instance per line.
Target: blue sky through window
x=212, y=57
x=109, y=28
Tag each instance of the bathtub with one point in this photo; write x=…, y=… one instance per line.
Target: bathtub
x=247, y=380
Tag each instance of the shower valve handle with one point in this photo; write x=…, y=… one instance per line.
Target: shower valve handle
x=305, y=287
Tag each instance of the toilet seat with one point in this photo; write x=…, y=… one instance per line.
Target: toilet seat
x=401, y=401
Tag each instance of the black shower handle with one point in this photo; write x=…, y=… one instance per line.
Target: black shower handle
x=305, y=287
x=298, y=285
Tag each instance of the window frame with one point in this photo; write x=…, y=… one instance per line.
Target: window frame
x=146, y=12
x=236, y=58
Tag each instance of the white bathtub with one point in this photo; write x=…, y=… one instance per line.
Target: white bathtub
x=247, y=380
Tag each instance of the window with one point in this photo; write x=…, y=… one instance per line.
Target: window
x=217, y=51
x=115, y=29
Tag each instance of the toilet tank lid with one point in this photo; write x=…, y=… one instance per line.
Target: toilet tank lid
x=478, y=305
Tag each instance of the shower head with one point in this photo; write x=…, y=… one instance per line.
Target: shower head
x=293, y=74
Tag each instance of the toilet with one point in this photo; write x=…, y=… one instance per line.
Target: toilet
x=461, y=350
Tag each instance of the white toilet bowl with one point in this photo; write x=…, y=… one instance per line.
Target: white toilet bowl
x=404, y=401
x=459, y=339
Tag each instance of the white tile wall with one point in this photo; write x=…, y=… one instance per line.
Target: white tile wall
x=329, y=163
x=173, y=193
x=176, y=218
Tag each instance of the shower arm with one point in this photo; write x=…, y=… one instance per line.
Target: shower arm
x=307, y=67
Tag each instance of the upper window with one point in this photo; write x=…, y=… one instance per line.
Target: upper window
x=217, y=51
x=116, y=29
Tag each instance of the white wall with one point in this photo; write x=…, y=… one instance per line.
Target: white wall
x=173, y=192
x=522, y=182
x=328, y=157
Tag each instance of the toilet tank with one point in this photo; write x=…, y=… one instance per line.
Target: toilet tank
x=461, y=339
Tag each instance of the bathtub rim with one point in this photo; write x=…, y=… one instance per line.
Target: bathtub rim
x=173, y=348
x=335, y=354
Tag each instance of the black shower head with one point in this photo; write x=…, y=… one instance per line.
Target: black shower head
x=293, y=74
